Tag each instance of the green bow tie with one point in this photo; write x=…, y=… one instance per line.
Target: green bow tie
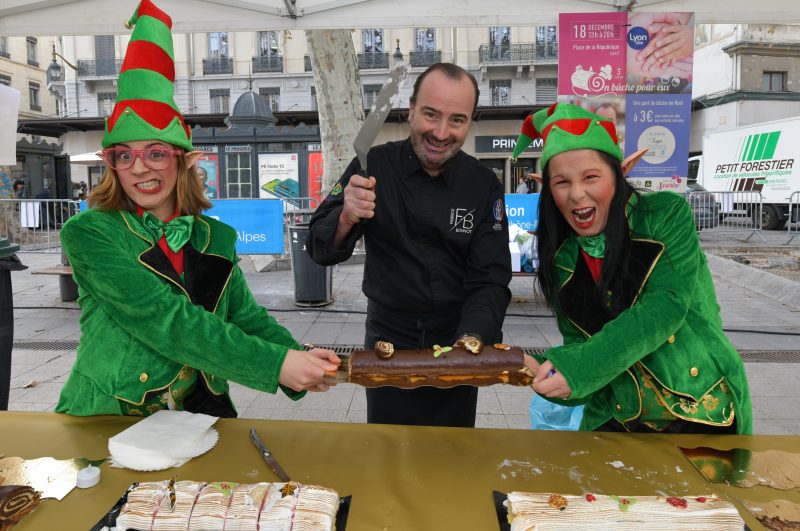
x=595, y=246
x=176, y=231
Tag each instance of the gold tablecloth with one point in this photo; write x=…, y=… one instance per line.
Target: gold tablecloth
x=400, y=477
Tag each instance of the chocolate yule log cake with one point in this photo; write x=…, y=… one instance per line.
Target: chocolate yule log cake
x=437, y=367
x=16, y=501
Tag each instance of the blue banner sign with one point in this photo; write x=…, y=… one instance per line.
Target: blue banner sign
x=523, y=210
x=258, y=223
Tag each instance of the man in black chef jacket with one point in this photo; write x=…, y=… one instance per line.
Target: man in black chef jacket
x=437, y=260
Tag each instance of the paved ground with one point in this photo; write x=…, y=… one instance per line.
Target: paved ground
x=763, y=316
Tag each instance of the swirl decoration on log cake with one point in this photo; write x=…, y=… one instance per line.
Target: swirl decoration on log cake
x=16, y=501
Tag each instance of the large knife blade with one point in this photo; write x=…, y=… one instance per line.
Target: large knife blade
x=383, y=103
x=267, y=455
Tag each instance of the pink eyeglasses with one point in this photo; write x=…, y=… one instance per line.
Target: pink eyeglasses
x=122, y=158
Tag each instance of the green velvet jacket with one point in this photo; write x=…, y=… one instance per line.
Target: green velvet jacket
x=667, y=348
x=141, y=324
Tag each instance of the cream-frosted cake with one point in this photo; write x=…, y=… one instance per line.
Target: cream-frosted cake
x=168, y=505
x=545, y=512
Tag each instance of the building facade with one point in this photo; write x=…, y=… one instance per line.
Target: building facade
x=516, y=67
x=743, y=74
x=23, y=64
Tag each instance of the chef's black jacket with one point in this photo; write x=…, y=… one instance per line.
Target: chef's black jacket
x=437, y=245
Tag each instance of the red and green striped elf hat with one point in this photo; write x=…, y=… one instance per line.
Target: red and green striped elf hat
x=565, y=127
x=145, y=107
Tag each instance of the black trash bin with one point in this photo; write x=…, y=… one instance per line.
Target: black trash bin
x=67, y=287
x=8, y=263
x=312, y=282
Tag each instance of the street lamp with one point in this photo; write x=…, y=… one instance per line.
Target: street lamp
x=54, y=72
x=397, y=55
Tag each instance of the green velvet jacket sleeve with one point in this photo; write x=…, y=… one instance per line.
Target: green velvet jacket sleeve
x=659, y=311
x=146, y=309
x=253, y=319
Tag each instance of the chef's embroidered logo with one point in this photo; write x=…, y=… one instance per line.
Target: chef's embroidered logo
x=462, y=220
x=497, y=212
x=336, y=191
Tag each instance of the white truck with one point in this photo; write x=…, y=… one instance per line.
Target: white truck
x=763, y=157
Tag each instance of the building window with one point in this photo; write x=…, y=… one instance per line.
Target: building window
x=105, y=55
x=5, y=80
x=500, y=42
x=105, y=103
x=4, y=48
x=219, y=100
x=314, y=106
x=546, y=90
x=546, y=42
x=31, y=45
x=33, y=94
x=370, y=94
x=218, y=45
x=272, y=95
x=501, y=92
x=372, y=38
x=238, y=182
x=774, y=81
x=425, y=39
x=268, y=43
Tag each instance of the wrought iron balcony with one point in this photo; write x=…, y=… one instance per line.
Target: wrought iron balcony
x=99, y=67
x=425, y=57
x=268, y=63
x=373, y=60
x=218, y=65
x=519, y=53
x=307, y=63
x=547, y=52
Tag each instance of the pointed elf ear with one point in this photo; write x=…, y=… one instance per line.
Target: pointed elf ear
x=192, y=157
x=631, y=161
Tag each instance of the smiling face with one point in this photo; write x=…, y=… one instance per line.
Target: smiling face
x=440, y=119
x=582, y=185
x=153, y=190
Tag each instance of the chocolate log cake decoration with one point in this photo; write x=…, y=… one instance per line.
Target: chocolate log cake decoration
x=436, y=367
x=16, y=501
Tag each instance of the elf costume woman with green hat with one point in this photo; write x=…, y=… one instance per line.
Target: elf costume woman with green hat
x=629, y=284
x=167, y=317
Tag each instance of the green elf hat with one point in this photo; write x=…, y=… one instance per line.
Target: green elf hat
x=145, y=107
x=565, y=127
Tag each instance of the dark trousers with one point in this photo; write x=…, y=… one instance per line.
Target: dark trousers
x=202, y=400
x=423, y=406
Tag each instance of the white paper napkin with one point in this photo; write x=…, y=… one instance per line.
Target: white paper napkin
x=163, y=440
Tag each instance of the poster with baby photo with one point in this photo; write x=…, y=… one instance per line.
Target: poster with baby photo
x=660, y=48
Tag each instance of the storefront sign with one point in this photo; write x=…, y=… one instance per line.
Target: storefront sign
x=205, y=149
x=315, y=147
x=504, y=144
x=238, y=149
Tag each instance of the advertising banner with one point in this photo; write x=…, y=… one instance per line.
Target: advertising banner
x=208, y=171
x=523, y=210
x=637, y=70
x=278, y=176
x=258, y=223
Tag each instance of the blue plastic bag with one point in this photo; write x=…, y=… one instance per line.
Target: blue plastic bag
x=546, y=415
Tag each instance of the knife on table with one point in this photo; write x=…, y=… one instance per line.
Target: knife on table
x=387, y=97
x=267, y=455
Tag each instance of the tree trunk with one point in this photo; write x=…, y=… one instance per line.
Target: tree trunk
x=339, y=100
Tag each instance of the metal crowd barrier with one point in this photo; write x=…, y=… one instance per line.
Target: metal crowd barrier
x=794, y=217
x=34, y=224
x=725, y=211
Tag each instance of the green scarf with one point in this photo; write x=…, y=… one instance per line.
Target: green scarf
x=594, y=246
x=177, y=231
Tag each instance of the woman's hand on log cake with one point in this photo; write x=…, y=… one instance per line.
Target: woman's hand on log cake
x=305, y=370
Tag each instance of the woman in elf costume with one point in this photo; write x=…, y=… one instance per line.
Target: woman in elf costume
x=631, y=290
x=167, y=316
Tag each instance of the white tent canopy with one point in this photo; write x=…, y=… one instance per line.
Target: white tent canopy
x=101, y=17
